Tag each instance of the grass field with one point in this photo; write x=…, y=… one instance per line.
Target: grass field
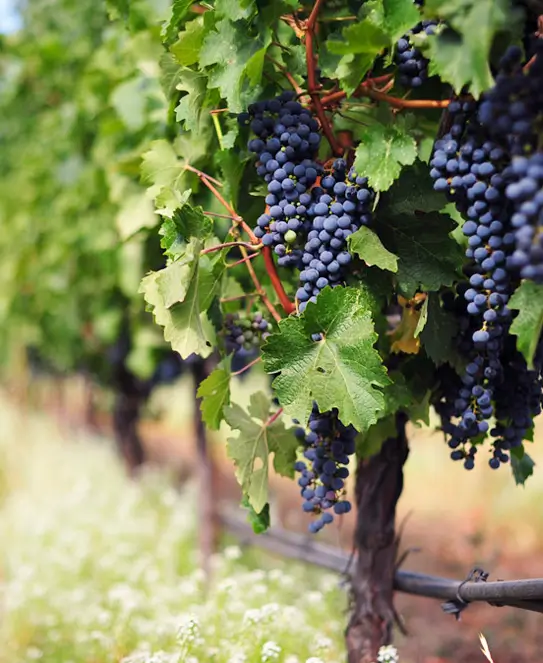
x=97, y=568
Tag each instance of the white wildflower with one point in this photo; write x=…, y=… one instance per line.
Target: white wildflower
x=388, y=654
x=270, y=651
x=189, y=630
x=323, y=643
x=231, y=553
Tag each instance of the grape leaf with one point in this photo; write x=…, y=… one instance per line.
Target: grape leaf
x=527, y=326
x=364, y=37
x=234, y=58
x=439, y=332
x=180, y=9
x=169, y=75
x=186, y=49
x=522, y=465
x=179, y=297
x=191, y=105
x=428, y=256
x=384, y=149
x=341, y=371
x=459, y=53
x=412, y=192
x=215, y=394
x=186, y=222
x=366, y=244
x=136, y=213
x=260, y=522
x=399, y=17
x=129, y=103
x=164, y=172
x=256, y=440
x=235, y=10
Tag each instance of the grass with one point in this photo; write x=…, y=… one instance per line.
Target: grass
x=98, y=568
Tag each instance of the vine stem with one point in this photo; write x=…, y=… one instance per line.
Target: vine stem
x=270, y=265
x=265, y=299
x=236, y=298
x=334, y=97
x=201, y=174
x=312, y=86
x=366, y=89
x=245, y=259
x=249, y=365
x=274, y=417
x=208, y=182
x=286, y=73
x=221, y=216
x=404, y=103
x=276, y=281
x=225, y=245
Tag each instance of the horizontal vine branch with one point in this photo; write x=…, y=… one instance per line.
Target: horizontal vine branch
x=526, y=594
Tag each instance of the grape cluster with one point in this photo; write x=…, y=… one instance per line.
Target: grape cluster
x=525, y=193
x=343, y=203
x=286, y=144
x=411, y=63
x=518, y=401
x=510, y=111
x=327, y=447
x=244, y=335
x=471, y=163
x=284, y=227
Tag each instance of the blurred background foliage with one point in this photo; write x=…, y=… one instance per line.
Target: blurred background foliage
x=80, y=100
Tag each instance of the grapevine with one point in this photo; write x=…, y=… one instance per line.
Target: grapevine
x=348, y=198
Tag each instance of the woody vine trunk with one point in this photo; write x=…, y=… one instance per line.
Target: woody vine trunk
x=379, y=484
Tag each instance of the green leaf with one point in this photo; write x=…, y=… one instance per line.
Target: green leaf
x=366, y=244
x=527, y=326
x=179, y=297
x=257, y=439
x=364, y=37
x=413, y=192
x=191, y=105
x=460, y=53
x=235, y=60
x=129, y=102
x=164, y=172
x=384, y=149
x=234, y=10
x=439, y=332
x=186, y=49
x=399, y=17
x=186, y=222
x=342, y=371
x=169, y=75
x=260, y=522
x=428, y=256
x=351, y=69
x=136, y=213
x=522, y=465
x=180, y=9
x=215, y=394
